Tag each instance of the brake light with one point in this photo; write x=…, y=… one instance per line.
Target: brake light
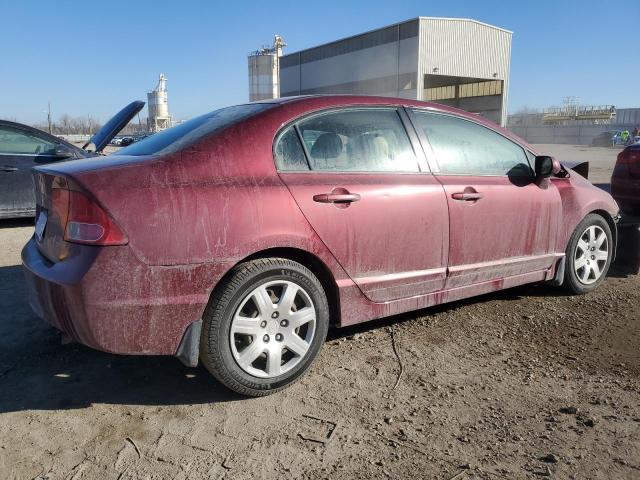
x=59, y=206
x=629, y=156
x=83, y=220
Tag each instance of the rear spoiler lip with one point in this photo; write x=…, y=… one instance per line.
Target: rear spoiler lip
x=66, y=180
x=581, y=168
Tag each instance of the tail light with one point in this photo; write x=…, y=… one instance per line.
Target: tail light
x=629, y=156
x=83, y=220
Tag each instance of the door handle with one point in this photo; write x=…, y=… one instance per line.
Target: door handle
x=336, y=197
x=467, y=196
x=8, y=168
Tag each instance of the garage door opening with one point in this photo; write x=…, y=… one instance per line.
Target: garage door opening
x=476, y=95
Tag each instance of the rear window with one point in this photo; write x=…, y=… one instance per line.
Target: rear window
x=189, y=132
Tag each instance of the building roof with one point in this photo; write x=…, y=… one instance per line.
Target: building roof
x=468, y=20
x=332, y=42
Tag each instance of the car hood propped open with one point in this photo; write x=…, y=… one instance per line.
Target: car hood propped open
x=102, y=138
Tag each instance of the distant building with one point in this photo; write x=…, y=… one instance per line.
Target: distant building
x=458, y=62
x=158, y=106
x=264, y=71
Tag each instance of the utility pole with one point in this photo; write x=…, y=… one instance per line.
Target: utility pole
x=49, y=117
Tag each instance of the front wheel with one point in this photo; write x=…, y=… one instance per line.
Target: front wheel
x=264, y=326
x=588, y=255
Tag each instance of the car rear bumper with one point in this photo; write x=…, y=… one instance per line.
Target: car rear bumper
x=107, y=299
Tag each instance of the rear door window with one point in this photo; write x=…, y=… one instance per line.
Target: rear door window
x=358, y=140
x=289, y=153
x=463, y=147
x=17, y=142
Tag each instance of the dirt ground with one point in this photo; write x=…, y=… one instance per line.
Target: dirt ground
x=525, y=383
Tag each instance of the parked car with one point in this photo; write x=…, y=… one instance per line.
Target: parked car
x=23, y=147
x=237, y=238
x=606, y=139
x=625, y=181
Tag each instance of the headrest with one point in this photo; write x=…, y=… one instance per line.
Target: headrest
x=327, y=145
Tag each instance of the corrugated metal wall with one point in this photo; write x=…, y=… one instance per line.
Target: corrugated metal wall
x=464, y=48
x=530, y=128
x=394, y=60
x=565, y=134
x=628, y=116
x=380, y=62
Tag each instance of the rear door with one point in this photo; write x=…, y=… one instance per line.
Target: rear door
x=19, y=151
x=356, y=176
x=502, y=223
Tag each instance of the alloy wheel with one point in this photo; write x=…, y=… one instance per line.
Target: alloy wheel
x=272, y=329
x=591, y=255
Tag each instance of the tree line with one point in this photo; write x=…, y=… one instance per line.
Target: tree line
x=68, y=125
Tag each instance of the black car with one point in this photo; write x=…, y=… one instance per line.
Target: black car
x=126, y=141
x=23, y=147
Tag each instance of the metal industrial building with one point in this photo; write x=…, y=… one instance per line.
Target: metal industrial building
x=458, y=62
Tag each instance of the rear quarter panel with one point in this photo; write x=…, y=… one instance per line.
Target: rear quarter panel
x=219, y=201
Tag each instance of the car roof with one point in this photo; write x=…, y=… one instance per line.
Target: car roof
x=308, y=103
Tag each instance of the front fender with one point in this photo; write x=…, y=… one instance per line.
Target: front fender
x=579, y=198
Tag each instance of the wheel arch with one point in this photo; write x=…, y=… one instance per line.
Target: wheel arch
x=612, y=226
x=310, y=261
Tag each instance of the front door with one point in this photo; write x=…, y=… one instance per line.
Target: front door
x=501, y=222
x=359, y=184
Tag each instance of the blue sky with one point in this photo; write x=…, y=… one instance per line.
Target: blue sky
x=91, y=57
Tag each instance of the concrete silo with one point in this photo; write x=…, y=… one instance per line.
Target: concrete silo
x=264, y=71
x=159, y=118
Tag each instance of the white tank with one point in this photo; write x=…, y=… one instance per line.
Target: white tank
x=158, y=106
x=264, y=71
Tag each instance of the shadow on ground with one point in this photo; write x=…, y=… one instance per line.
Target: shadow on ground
x=16, y=222
x=37, y=372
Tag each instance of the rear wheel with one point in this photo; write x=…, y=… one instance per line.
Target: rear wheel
x=588, y=255
x=264, y=326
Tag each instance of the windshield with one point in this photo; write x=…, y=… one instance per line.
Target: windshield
x=189, y=132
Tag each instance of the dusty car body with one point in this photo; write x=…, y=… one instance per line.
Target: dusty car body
x=184, y=211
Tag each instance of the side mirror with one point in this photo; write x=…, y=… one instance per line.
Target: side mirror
x=544, y=166
x=62, y=151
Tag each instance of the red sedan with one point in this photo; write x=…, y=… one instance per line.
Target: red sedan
x=625, y=181
x=239, y=237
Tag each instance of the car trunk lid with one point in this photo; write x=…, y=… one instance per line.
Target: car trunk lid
x=102, y=138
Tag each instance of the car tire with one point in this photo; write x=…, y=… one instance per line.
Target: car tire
x=258, y=311
x=586, y=266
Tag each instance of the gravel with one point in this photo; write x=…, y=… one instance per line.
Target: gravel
x=524, y=383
